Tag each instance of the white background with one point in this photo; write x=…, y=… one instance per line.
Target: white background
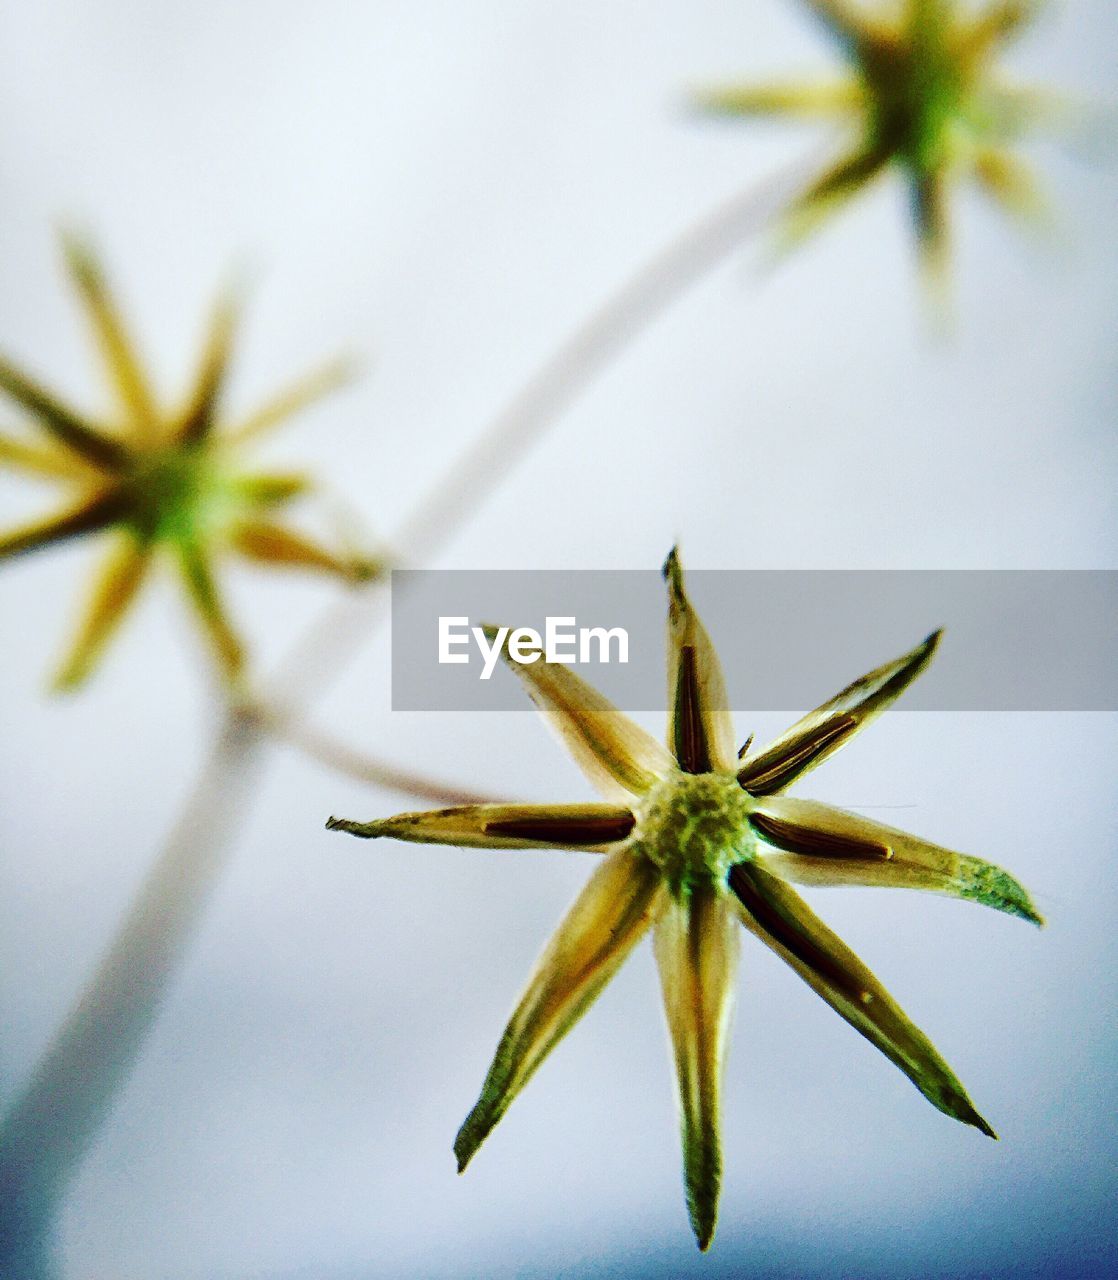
x=446, y=188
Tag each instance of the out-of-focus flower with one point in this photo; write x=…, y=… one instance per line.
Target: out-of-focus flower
x=698, y=840
x=161, y=480
x=924, y=95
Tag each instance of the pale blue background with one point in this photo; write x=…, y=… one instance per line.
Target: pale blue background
x=447, y=187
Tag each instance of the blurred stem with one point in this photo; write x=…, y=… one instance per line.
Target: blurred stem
x=46, y=1132
x=51, y=1124
x=328, y=645
x=351, y=763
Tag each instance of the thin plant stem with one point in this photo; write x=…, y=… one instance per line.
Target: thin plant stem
x=328, y=645
x=47, y=1131
x=341, y=758
x=75, y=1084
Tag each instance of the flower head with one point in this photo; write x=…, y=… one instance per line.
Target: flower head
x=160, y=480
x=923, y=95
x=698, y=840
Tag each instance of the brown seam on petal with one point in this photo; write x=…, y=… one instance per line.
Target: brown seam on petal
x=692, y=751
x=904, y=676
x=98, y=513
x=589, y=831
x=198, y=423
x=785, y=934
x=71, y=431
x=813, y=843
x=782, y=771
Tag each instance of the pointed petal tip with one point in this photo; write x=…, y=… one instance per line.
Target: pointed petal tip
x=233, y=288
x=672, y=573
x=67, y=682
x=704, y=1220
x=995, y=888
x=71, y=676
x=983, y=1127
x=958, y=1106
x=364, y=830
x=347, y=367
x=965, y=1110
x=234, y=671
x=672, y=570
x=365, y=569
x=472, y=1134
x=1023, y=908
x=925, y=651
x=1028, y=910
x=77, y=249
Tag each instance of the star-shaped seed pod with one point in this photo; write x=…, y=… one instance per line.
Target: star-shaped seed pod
x=698, y=840
x=924, y=96
x=160, y=480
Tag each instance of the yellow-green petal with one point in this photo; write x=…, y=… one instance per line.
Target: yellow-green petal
x=619, y=758
x=928, y=17
x=814, y=844
x=775, y=913
x=827, y=99
x=821, y=732
x=43, y=460
x=697, y=944
x=1010, y=183
x=199, y=417
x=121, y=359
x=291, y=400
x=1000, y=22
x=929, y=213
x=272, y=489
x=846, y=178
x=114, y=589
x=90, y=515
x=67, y=427
x=592, y=827
x=202, y=590
x=609, y=917
x=700, y=727
x=272, y=544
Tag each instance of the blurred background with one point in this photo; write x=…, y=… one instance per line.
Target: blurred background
x=445, y=189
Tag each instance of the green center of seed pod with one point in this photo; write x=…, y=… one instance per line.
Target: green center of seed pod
x=694, y=826
x=917, y=103
x=177, y=494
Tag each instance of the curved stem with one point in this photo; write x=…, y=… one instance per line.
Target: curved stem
x=50, y=1125
x=46, y=1132
x=642, y=298
x=341, y=758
